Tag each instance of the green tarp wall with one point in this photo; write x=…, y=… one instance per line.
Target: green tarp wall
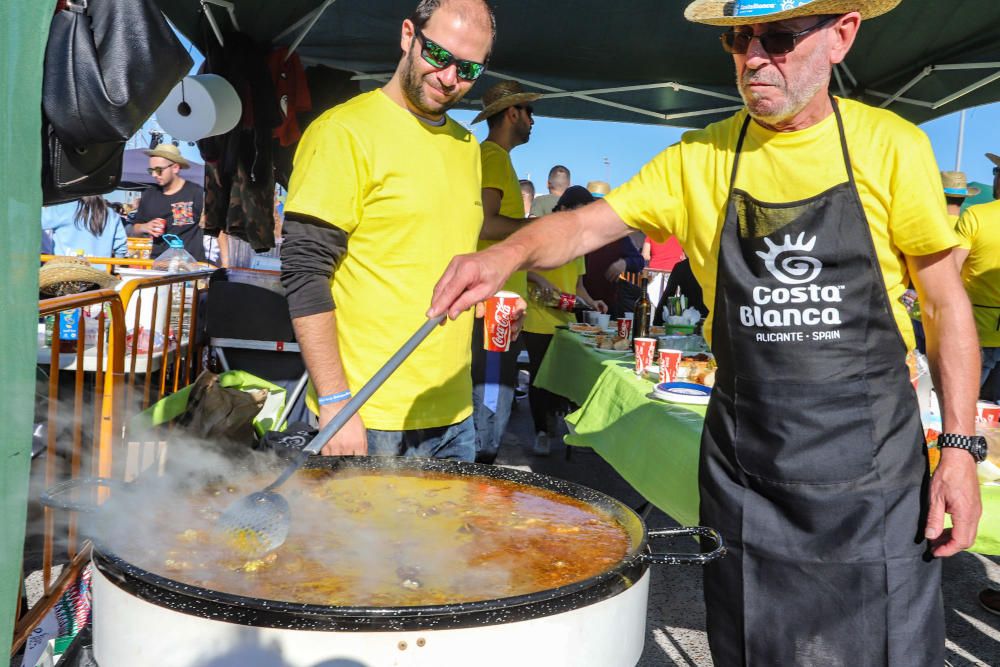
x=23, y=30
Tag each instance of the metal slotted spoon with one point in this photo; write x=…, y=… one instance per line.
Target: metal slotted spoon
x=258, y=523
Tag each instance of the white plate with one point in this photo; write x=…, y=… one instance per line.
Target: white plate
x=685, y=393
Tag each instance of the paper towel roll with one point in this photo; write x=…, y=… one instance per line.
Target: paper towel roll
x=200, y=106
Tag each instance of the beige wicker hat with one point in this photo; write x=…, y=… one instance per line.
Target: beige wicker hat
x=598, y=188
x=742, y=12
x=994, y=158
x=956, y=185
x=71, y=275
x=169, y=152
x=503, y=96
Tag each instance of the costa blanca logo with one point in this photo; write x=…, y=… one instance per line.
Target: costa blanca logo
x=789, y=263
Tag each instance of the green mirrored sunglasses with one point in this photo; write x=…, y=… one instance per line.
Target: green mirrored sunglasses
x=440, y=57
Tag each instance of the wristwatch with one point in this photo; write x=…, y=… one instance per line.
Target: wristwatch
x=974, y=444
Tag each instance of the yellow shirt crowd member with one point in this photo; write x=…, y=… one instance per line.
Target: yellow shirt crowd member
x=407, y=194
x=542, y=319
x=683, y=191
x=499, y=174
x=979, y=232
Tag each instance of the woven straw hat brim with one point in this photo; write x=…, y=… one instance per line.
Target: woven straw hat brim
x=720, y=12
x=54, y=272
x=505, y=103
x=175, y=158
x=994, y=158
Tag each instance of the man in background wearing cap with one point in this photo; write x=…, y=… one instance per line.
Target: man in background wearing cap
x=508, y=113
x=978, y=258
x=174, y=206
x=366, y=235
x=559, y=180
x=804, y=218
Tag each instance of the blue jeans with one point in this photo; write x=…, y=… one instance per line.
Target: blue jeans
x=456, y=442
x=494, y=377
x=991, y=359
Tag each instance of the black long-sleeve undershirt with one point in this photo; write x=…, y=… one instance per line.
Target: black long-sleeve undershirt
x=310, y=253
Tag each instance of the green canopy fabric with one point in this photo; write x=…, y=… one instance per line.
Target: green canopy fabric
x=985, y=195
x=640, y=61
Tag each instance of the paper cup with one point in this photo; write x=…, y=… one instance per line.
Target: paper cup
x=497, y=321
x=988, y=413
x=624, y=327
x=645, y=351
x=629, y=316
x=669, y=361
x=591, y=317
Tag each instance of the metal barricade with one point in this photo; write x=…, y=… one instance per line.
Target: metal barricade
x=93, y=439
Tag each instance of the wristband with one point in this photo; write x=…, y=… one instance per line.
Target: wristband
x=330, y=399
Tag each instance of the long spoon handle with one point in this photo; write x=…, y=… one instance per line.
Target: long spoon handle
x=358, y=400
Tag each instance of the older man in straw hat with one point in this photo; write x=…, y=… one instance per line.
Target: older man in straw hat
x=174, y=206
x=804, y=217
x=508, y=112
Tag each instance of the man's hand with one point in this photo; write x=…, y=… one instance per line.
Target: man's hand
x=600, y=306
x=955, y=491
x=615, y=270
x=154, y=227
x=350, y=440
x=469, y=280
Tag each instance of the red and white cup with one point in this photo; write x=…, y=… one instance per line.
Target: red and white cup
x=498, y=321
x=624, y=327
x=988, y=413
x=669, y=361
x=645, y=352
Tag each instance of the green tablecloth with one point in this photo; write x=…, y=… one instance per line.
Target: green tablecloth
x=653, y=445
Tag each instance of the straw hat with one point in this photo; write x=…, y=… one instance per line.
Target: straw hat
x=743, y=12
x=994, y=158
x=598, y=188
x=503, y=96
x=169, y=152
x=956, y=185
x=71, y=275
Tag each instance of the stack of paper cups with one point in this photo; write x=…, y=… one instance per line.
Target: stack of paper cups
x=200, y=106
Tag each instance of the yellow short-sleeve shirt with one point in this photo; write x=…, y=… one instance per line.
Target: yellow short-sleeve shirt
x=499, y=174
x=408, y=195
x=979, y=232
x=683, y=191
x=543, y=319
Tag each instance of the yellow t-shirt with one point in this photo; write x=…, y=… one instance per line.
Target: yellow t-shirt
x=683, y=191
x=979, y=232
x=499, y=174
x=408, y=196
x=543, y=319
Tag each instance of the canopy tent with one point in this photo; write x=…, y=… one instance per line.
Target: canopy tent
x=638, y=61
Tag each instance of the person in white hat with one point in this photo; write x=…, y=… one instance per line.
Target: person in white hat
x=173, y=206
x=508, y=111
x=804, y=217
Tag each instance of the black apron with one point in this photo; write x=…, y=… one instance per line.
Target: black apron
x=813, y=465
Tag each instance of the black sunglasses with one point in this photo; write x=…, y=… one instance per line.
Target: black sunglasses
x=996, y=171
x=440, y=57
x=530, y=110
x=157, y=170
x=775, y=42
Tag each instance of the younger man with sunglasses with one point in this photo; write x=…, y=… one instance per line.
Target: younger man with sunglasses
x=174, y=206
x=804, y=218
x=385, y=191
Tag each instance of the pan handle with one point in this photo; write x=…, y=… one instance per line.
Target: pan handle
x=54, y=495
x=685, y=559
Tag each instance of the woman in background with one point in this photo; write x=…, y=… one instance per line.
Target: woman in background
x=87, y=227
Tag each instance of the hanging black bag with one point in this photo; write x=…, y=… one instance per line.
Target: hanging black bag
x=70, y=172
x=108, y=66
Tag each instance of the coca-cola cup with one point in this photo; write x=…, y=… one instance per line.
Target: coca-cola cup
x=669, y=361
x=497, y=328
x=645, y=351
x=624, y=327
x=988, y=413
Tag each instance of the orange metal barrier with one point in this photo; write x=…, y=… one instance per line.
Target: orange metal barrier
x=95, y=437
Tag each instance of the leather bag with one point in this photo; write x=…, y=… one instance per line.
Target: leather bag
x=108, y=65
x=69, y=173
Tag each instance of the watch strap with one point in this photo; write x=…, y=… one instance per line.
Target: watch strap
x=974, y=444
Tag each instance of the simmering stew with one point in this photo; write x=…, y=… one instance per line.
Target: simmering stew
x=392, y=539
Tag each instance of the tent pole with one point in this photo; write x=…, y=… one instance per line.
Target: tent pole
x=309, y=26
x=961, y=141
